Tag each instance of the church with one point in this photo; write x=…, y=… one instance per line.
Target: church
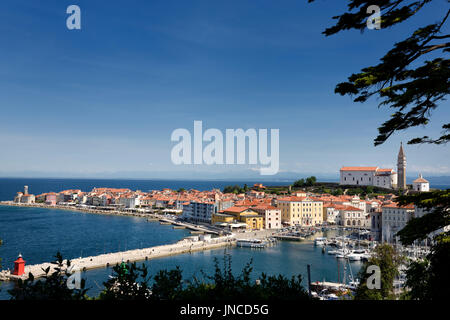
x=375, y=176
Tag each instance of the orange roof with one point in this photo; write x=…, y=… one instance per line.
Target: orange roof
x=359, y=168
x=292, y=199
x=395, y=205
x=236, y=209
x=265, y=207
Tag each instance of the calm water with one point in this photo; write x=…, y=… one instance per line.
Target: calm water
x=39, y=233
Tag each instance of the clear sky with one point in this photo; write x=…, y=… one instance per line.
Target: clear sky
x=106, y=98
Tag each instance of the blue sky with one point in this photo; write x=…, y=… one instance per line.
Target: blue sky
x=106, y=98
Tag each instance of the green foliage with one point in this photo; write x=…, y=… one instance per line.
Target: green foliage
x=385, y=257
x=309, y=182
x=52, y=287
x=224, y=285
x=181, y=190
x=167, y=285
x=404, y=79
x=355, y=191
x=392, y=13
x=437, y=203
x=129, y=282
x=233, y=189
x=299, y=183
x=429, y=279
x=408, y=81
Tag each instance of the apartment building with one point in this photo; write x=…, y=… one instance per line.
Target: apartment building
x=301, y=211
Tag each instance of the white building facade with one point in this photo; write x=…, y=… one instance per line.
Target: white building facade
x=199, y=211
x=368, y=176
x=394, y=219
x=272, y=216
x=421, y=185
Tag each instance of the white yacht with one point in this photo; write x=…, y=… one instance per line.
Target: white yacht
x=320, y=241
x=342, y=253
x=356, y=255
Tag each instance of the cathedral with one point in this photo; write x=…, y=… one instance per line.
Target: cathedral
x=375, y=176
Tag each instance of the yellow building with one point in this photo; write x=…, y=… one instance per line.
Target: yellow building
x=221, y=218
x=253, y=219
x=303, y=211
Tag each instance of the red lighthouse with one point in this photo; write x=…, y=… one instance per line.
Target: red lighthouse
x=19, y=266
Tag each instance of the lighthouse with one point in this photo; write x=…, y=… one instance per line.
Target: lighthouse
x=19, y=266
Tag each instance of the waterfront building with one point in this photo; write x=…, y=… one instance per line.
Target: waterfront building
x=50, y=199
x=352, y=217
x=345, y=215
x=394, y=218
x=221, y=218
x=28, y=198
x=271, y=216
x=129, y=201
x=401, y=168
x=148, y=201
x=330, y=214
x=25, y=197
x=40, y=198
x=250, y=217
x=302, y=211
x=18, y=197
x=199, y=211
x=421, y=185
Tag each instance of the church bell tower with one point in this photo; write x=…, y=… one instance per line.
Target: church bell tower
x=401, y=169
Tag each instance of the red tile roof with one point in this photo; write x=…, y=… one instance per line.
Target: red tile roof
x=359, y=168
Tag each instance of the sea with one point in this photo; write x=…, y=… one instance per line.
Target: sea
x=39, y=233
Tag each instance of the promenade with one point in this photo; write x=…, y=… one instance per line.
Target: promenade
x=111, y=259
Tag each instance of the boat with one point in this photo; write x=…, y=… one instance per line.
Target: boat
x=320, y=241
x=251, y=243
x=342, y=253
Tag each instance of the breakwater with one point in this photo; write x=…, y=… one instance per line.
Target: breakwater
x=110, y=259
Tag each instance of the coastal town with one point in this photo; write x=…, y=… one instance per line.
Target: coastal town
x=256, y=209
x=256, y=217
